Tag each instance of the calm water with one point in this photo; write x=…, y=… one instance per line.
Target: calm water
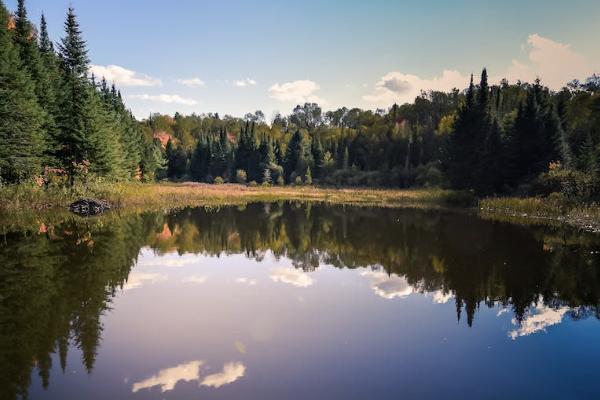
x=293, y=301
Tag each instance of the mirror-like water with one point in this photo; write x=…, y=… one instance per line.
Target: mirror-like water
x=298, y=301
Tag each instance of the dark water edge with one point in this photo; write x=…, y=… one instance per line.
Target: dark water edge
x=60, y=277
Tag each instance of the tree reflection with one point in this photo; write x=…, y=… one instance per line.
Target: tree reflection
x=57, y=281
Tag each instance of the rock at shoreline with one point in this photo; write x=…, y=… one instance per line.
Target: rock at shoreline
x=87, y=207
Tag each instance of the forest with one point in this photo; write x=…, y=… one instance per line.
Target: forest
x=61, y=125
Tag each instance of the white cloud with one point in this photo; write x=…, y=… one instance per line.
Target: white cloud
x=396, y=87
x=136, y=280
x=439, y=297
x=388, y=286
x=301, y=91
x=244, y=82
x=291, y=276
x=553, y=62
x=192, y=82
x=199, y=279
x=246, y=281
x=538, y=320
x=171, y=260
x=169, y=377
x=231, y=372
x=165, y=98
x=123, y=77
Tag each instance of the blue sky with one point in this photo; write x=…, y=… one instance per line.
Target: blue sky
x=238, y=56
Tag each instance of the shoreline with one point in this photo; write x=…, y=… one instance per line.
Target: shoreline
x=18, y=201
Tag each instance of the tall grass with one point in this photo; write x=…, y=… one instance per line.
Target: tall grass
x=552, y=209
x=173, y=195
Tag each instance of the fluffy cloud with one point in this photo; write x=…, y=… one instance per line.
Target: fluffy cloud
x=388, y=286
x=403, y=88
x=123, y=77
x=439, y=297
x=291, y=276
x=246, y=281
x=301, y=91
x=539, y=319
x=148, y=260
x=165, y=98
x=553, y=62
x=244, y=82
x=169, y=377
x=192, y=82
x=136, y=280
x=199, y=279
x=231, y=372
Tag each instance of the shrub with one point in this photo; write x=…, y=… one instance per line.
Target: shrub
x=218, y=181
x=308, y=178
x=571, y=184
x=429, y=175
x=298, y=181
x=241, y=176
x=280, y=181
x=253, y=184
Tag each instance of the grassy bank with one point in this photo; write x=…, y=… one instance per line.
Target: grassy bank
x=163, y=196
x=543, y=211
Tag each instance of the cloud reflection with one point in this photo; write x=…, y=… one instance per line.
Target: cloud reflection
x=199, y=279
x=541, y=318
x=388, y=286
x=169, y=377
x=291, y=276
x=139, y=279
x=246, y=281
x=231, y=372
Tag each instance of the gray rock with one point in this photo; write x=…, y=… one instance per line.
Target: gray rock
x=87, y=207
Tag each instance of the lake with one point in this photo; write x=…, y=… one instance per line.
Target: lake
x=298, y=301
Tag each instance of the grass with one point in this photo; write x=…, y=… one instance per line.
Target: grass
x=26, y=201
x=164, y=196
x=543, y=211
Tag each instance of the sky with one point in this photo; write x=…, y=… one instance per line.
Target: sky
x=234, y=57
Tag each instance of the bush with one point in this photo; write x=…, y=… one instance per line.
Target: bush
x=280, y=181
x=429, y=175
x=253, y=184
x=571, y=184
x=241, y=176
x=218, y=181
x=298, y=181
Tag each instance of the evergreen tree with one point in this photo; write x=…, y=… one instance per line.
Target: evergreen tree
x=296, y=160
x=74, y=118
x=21, y=118
x=318, y=156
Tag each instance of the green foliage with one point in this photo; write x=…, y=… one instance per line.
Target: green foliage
x=241, y=176
x=21, y=118
x=492, y=139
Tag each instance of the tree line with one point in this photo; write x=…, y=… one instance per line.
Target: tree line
x=61, y=124
x=58, y=122
x=499, y=139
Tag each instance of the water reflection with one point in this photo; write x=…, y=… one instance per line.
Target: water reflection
x=57, y=282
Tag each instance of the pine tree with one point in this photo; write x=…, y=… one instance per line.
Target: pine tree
x=296, y=156
x=21, y=118
x=318, y=156
x=308, y=177
x=74, y=140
